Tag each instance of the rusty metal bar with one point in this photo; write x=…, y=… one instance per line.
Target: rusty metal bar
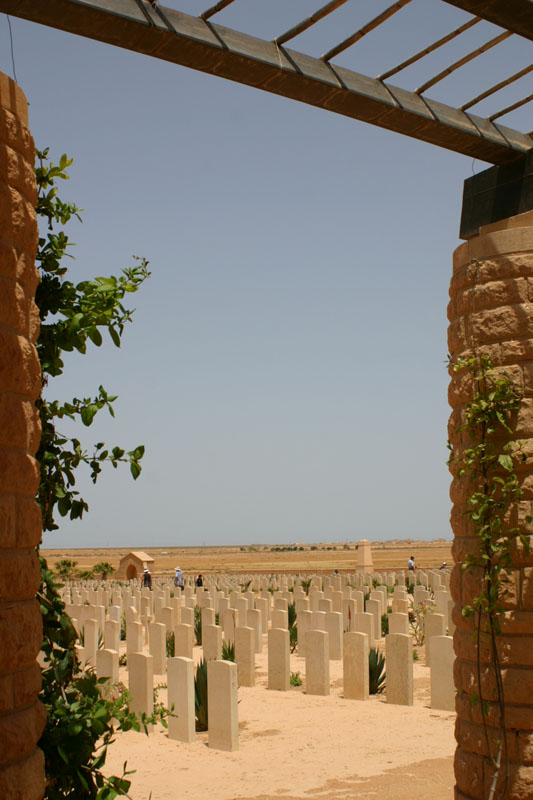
x=302, y=26
x=464, y=60
x=511, y=107
x=445, y=39
x=370, y=26
x=215, y=9
x=497, y=87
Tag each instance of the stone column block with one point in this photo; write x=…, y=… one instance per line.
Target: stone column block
x=212, y=642
x=355, y=666
x=180, y=681
x=398, y=623
x=223, y=731
x=158, y=647
x=245, y=655
x=183, y=640
x=334, y=630
x=441, y=673
x=365, y=623
x=434, y=625
x=141, y=683
x=317, y=663
x=399, y=668
x=279, y=664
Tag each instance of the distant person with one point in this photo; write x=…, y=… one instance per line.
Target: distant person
x=411, y=564
x=147, y=579
x=443, y=566
x=178, y=579
x=199, y=580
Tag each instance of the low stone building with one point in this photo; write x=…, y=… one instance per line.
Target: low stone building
x=133, y=565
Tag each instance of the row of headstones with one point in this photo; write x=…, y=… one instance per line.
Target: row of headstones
x=98, y=594
x=223, y=678
x=180, y=619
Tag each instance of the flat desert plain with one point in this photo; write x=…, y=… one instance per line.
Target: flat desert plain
x=324, y=557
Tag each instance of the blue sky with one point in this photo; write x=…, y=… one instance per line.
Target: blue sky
x=286, y=364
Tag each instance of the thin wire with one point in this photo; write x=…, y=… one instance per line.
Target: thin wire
x=12, y=48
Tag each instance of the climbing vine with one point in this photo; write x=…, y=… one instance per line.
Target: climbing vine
x=488, y=462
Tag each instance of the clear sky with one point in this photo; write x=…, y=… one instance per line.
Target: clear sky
x=286, y=364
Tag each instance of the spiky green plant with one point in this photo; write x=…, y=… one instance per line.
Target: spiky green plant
x=228, y=651
x=200, y=696
x=293, y=627
x=198, y=624
x=306, y=584
x=171, y=645
x=376, y=671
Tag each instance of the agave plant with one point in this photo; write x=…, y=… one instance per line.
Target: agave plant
x=200, y=695
x=293, y=627
x=376, y=671
x=228, y=651
x=198, y=625
x=171, y=645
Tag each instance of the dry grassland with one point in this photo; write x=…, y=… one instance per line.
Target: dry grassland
x=261, y=559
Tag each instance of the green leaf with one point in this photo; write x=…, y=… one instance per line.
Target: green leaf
x=506, y=462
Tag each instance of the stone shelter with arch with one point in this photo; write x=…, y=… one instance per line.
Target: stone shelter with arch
x=133, y=565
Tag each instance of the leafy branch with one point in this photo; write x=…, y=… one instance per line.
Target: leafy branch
x=73, y=315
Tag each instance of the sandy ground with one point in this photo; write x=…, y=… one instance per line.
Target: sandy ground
x=390, y=555
x=298, y=747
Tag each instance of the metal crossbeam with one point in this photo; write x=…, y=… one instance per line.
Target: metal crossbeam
x=193, y=42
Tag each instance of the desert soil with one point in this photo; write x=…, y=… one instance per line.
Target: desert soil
x=260, y=558
x=295, y=746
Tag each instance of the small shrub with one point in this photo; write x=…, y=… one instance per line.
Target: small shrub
x=217, y=618
x=171, y=645
x=376, y=671
x=228, y=651
x=123, y=628
x=200, y=696
x=295, y=679
x=384, y=624
x=416, y=657
x=123, y=660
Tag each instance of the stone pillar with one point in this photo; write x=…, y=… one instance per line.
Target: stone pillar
x=317, y=663
x=212, y=642
x=279, y=662
x=21, y=715
x=441, y=673
x=491, y=311
x=334, y=629
x=434, y=625
x=355, y=666
x=223, y=733
x=180, y=677
x=183, y=640
x=158, y=647
x=245, y=655
x=141, y=683
x=399, y=663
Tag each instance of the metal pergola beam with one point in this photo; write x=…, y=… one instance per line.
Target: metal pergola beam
x=192, y=42
x=513, y=15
